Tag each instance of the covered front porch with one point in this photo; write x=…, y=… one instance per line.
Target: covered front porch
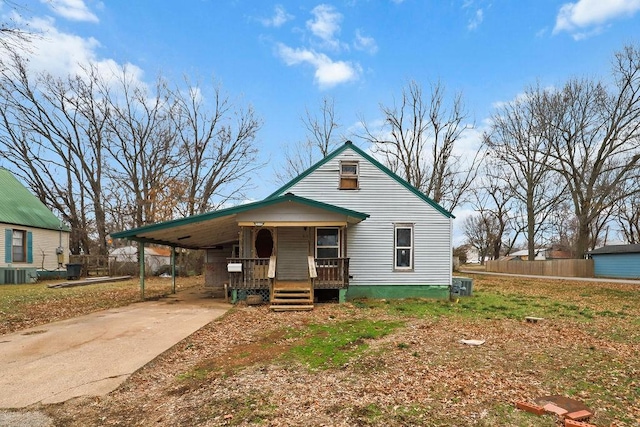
x=289, y=251
x=291, y=266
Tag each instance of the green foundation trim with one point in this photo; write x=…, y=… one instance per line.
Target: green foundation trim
x=342, y=295
x=397, y=291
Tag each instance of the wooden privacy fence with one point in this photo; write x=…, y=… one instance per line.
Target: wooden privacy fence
x=554, y=267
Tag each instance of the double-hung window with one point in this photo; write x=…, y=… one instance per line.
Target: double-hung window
x=403, y=247
x=19, y=246
x=327, y=242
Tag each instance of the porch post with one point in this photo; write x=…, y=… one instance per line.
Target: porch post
x=141, y=261
x=173, y=269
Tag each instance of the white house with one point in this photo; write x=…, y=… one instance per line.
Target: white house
x=346, y=228
x=35, y=241
x=155, y=258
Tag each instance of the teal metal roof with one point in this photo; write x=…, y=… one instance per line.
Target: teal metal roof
x=20, y=207
x=192, y=232
x=350, y=146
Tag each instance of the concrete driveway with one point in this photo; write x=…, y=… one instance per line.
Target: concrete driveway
x=93, y=354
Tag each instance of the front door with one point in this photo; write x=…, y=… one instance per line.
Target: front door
x=293, y=252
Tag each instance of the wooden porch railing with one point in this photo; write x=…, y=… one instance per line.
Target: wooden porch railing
x=254, y=273
x=332, y=273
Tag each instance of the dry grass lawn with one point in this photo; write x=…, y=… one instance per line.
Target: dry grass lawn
x=392, y=363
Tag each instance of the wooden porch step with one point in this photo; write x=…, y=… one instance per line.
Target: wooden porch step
x=291, y=295
x=291, y=301
x=286, y=307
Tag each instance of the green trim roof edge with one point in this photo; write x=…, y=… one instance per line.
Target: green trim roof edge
x=383, y=168
x=131, y=234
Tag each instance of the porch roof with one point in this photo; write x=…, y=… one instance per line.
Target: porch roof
x=218, y=227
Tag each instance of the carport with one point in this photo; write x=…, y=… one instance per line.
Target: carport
x=250, y=234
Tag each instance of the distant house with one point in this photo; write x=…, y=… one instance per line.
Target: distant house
x=621, y=261
x=523, y=255
x=541, y=254
x=154, y=257
x=35, y=240
x=346, y=228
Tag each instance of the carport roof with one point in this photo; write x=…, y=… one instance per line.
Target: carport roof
x=218, y=227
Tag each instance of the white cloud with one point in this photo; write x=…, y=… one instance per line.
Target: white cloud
x=586, y=17
x=326, y=24
x=279, y=18
x=476, y=20
x=62, y=54
x=74, y=10
x=365, y=43
x=328, y=73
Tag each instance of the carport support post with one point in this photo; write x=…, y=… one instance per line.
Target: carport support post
x=173, y=270
x=141, y=255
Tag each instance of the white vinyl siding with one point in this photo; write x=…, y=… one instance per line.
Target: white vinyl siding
x=370, y=243
x=44, y=244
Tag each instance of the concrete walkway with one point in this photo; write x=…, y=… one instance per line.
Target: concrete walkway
x=92, y=355
x=578, y=279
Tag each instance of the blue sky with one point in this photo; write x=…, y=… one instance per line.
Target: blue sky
x=285, y=56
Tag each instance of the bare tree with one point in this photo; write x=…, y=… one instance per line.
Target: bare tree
x=523, y=163
x=108, y=152
x=217, y=147
x=595, y=141
x=418, y=141
x=321, y=139
x=141, y=148
x=12, y=35
x=480, y=231
x=52, y=135
x=498, y=204
x=628, y=216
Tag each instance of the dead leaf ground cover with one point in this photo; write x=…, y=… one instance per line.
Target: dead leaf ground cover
x=403, y=364
x=28, y=305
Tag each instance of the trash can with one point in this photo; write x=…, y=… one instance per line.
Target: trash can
x=74, y=271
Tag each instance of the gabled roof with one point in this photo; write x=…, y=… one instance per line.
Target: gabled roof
x=616, y=249
x=348, y=145
x=18, y=206
x=217, y=227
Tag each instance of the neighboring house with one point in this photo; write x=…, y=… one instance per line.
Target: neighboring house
x=35, y=240
x=346, y=228
x=541, y=254
x=523, y=255
x=616, y=261
x=155, y=258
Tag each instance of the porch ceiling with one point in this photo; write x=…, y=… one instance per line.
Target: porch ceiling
x=218, y=227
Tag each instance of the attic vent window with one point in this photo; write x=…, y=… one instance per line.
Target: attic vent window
x=349, y=175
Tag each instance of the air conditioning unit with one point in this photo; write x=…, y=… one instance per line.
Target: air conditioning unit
x=16, y=276
x=462, y=286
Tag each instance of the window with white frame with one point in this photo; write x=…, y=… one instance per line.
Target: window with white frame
x=327, y=242
x=349, y=175
x=19, y=246
x=403, y=246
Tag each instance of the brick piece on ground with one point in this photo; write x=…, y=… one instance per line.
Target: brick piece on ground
x=579, y=415
x=555, y=409
x=530, y=407
x=574, y=423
